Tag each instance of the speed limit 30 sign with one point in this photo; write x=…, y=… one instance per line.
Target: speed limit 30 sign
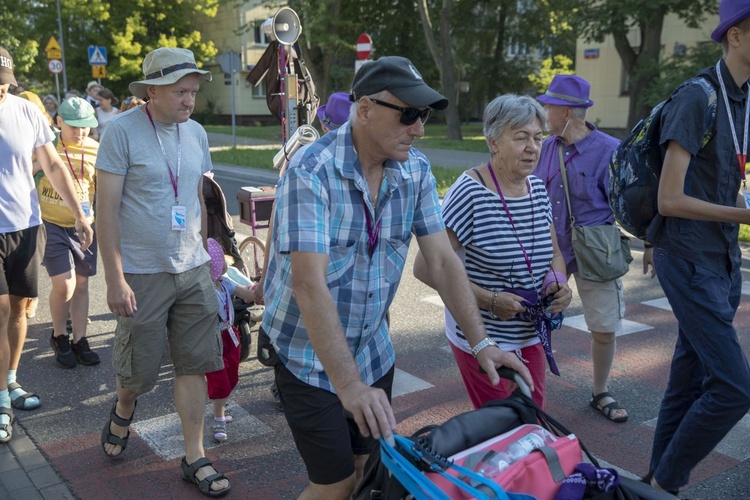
x=55, y=66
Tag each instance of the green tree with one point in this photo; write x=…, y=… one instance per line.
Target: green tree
x=555, y=65
x=128, y=29
x=646, y=18
x=678, y=68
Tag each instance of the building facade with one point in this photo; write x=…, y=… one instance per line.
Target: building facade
x=600, y=64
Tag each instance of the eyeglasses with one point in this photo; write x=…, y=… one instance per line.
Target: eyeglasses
x=408, y=115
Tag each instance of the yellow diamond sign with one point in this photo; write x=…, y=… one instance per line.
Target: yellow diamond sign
x=53, y=49
x=99, y=71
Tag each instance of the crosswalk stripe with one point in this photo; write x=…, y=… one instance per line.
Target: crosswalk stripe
x=736, y=444
x=628, y=327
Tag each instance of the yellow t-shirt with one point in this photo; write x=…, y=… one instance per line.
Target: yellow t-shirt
x=54, y=209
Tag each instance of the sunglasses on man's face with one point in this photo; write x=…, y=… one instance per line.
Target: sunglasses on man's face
x=408, y=115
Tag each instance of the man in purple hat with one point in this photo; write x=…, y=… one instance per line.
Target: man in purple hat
x=586, y=152
x=23, y=132
x=335, y=112
x=697, y=258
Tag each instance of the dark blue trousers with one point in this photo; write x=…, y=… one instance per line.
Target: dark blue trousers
x=709, y=381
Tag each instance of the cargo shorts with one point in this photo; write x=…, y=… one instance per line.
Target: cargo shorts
x=176, y=309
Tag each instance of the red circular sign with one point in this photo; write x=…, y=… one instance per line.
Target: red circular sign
x=55, y=66
x=364, y=46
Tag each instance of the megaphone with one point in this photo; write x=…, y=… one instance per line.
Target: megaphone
x=283, y=27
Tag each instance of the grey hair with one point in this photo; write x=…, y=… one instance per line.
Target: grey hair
x=511, y=110
x=580, y=112
x=355, y=105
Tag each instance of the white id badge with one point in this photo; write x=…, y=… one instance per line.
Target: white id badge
x=234, y=338
x=86, y=207
x=746, y=195
x=179, y=218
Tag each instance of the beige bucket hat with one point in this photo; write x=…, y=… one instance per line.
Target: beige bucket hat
x=164, y=66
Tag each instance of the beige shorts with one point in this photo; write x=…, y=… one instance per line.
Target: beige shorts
x=181, y=309
x=603, y=304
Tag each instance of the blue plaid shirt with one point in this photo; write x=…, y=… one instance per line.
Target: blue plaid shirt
x=320, y=207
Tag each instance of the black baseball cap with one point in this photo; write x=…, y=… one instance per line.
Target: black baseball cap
x=398, y=76
x=6, y=68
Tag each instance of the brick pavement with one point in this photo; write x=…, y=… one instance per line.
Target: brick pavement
x=25, y=474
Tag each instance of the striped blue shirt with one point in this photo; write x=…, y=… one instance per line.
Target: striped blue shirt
x=492, y=254
x=320, y=208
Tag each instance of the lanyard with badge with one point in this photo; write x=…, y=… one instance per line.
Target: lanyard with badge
x=85, y=203
x=179, y=212
x=741, y=155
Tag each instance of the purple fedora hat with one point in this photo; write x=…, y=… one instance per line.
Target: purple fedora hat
x=335, y=112
x=731, y=12
x=567, y=90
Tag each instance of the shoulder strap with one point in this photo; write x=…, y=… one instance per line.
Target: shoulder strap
x=479, y=174
x=565, y=183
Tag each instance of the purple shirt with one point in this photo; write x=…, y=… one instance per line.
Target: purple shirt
x=587, y=164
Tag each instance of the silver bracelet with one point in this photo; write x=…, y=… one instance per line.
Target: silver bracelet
x=481, y=345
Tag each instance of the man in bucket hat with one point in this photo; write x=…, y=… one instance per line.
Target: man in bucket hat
x=586, y=152
x=697, y=258
x=345, y=212
x=149, y=179
x=24, y=131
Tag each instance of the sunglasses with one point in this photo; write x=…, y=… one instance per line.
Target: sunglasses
x=408, y=115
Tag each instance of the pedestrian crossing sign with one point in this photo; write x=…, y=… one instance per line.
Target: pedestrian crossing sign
x=99, y=71
x=97, y=55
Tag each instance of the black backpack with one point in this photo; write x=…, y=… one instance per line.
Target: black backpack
x=635, y=166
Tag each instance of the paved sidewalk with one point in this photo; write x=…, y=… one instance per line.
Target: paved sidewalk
x=25, y=474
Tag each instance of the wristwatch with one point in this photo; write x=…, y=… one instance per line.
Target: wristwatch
x=481, y=345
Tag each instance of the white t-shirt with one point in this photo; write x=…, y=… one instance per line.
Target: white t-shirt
x=22, y=130
x=103, y=117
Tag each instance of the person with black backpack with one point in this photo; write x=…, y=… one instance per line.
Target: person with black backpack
x=697, y=257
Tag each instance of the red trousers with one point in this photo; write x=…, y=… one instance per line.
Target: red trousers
x=221, y=382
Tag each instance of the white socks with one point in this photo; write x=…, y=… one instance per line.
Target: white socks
x=31, y=402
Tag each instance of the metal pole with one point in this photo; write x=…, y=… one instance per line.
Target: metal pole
x=57, y=85
x=232, y=72
x=62, y=47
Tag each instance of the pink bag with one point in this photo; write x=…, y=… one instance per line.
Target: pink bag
x=539, y=473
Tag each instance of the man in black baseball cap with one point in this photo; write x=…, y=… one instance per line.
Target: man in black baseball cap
x=349, y=204
x=398, y=76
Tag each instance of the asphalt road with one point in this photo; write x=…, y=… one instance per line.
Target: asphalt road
x=260, y=458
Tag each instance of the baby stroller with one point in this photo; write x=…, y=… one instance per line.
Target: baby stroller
x=441, y=462
x=220, y=227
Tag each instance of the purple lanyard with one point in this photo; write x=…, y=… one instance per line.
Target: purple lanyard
x=227, y=300
x=72, y=170
x=372, y=235
x=510, y=219
x=172, y=177
x=549, y=167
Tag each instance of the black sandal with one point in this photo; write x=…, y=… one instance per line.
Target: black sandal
x=607, y=410
x=8, y=428
x=109, y=438
x=20, y=402
x=204, y=485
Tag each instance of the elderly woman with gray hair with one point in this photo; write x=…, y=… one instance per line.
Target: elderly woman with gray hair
x=500, y=223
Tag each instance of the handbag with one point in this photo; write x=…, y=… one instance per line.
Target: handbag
x=540, y=473
x=602, y=252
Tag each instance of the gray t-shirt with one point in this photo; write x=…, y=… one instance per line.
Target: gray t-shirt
x=22, y=130
x=148, y=244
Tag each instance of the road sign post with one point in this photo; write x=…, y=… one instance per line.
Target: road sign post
x=231, y=62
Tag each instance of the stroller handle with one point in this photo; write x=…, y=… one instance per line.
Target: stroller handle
x=513, y=376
